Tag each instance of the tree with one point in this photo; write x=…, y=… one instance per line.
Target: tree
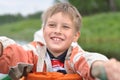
x=112, y=5
x=87, y=7
x=9, y=18
x=37, y=15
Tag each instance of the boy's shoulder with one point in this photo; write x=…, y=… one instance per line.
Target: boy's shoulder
x=6, y=41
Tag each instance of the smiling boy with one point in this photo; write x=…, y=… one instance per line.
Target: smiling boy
x=61, y=28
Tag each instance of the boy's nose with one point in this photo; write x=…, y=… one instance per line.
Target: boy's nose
x=58, y=29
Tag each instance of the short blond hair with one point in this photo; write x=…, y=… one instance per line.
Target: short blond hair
x=65, y=8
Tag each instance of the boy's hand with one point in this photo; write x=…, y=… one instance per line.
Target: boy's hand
x=107, y=70
x=112, y=68
x=1, y=49
x=20, y=70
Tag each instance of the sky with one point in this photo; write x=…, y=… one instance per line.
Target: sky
x=23, y=7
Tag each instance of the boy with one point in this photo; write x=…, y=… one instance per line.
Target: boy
x=61, y=27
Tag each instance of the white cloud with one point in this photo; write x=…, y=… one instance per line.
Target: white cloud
x=24, y=7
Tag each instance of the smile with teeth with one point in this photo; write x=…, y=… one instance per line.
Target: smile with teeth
x=56, y=39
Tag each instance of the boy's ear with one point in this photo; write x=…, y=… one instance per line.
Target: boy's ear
x=76, y=37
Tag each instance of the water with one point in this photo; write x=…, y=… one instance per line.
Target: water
x=21, y=42
x=4, y=77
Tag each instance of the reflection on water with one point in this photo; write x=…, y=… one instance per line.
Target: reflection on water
x=21, y=42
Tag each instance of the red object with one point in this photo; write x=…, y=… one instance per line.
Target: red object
x=52, y=76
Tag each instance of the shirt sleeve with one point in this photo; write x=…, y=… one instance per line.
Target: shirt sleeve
x=6, y=41
x=14, y=54
x=81, y=61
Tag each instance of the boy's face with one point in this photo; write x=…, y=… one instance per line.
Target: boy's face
x=59, y=32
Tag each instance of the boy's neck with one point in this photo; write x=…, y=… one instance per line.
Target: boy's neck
x=57, y=54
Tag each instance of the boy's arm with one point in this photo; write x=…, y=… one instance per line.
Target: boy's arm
x=82, y=61
x=12, y=53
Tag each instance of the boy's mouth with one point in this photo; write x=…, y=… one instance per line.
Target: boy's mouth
x=56, y=38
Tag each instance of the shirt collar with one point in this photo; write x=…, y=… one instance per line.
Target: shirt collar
x=60, y=57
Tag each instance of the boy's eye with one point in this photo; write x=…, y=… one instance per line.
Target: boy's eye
x=66, y=27
x=51, y=25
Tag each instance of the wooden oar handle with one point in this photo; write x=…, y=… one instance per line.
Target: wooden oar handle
x=99, y=72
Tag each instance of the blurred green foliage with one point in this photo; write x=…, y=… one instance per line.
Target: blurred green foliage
x=100, y=33
x=22, y=30
x=10, y=18
x=88, y=7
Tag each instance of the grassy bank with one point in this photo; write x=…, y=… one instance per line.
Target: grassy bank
x=22, y=30
x=99, y=33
